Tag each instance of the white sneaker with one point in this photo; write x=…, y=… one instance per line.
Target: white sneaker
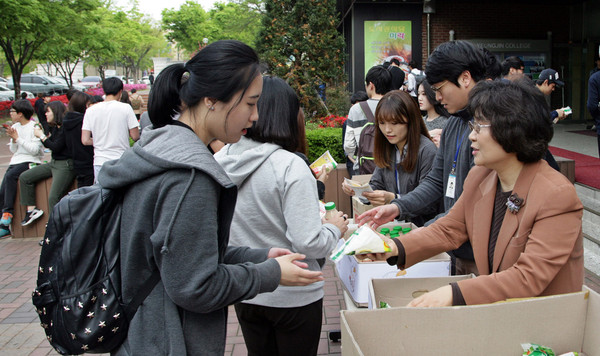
x=31, y=216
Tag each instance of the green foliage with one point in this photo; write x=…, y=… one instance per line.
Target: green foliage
x=186, y=26
x=321, y=140
x=300, y=43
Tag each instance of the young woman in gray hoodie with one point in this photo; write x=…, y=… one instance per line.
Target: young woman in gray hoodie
x=178, y=204
x=278, y=206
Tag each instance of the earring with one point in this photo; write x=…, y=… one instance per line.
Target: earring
x=212, y=108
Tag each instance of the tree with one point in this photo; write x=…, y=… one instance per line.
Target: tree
x=240, y=20
x=74, y=36
x=300, y=43
x=186, y=26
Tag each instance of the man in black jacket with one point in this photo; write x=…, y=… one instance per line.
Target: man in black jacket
x=40, y=110
x=397, y=74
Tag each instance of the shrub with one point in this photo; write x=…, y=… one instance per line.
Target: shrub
x=321, y=140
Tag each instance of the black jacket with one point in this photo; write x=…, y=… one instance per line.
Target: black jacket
x=83, y=156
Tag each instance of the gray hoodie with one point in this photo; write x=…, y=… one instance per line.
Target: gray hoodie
x=176, y=214
x=278, y=206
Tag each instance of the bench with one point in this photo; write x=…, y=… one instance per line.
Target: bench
x=566, y=167
x=38, y=227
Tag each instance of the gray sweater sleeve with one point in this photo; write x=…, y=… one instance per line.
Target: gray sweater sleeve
x=194, y=275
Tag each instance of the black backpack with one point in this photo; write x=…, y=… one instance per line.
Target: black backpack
x=366, y=141
x=78, y=295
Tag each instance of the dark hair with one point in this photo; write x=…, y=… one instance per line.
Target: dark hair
x=360, y=95
x=519, y=116
x=511, y=62
x=381, y=78
x=133, y=91
x=413, y=64
x=95, y=99
x=278, y=108
x=79, y=102
x=70, y=93
x=430, y=95
x=24, y=107
x=302, y=141
x=398, y=106
x=58, y=109
x=493, y=69
x=112, y=85
x=219, y=71
x=450, y=59
x=396, y=61
x=23, y=95
x=125, y=97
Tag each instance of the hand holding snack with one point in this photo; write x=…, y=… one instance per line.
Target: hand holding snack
x=364, y=241
x=379, y=197
x=346, y=189
x=339, y=219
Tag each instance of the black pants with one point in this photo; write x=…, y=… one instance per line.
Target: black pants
x=8, y=189
x=281, y=331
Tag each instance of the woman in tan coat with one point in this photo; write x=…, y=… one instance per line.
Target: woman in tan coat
x=522, y=217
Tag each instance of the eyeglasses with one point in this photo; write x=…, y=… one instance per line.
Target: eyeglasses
x=436, y=89
x=474, y=126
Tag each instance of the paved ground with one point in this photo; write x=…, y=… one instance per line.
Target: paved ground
x=20, y=333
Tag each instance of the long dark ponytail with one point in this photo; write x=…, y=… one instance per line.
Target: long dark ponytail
x=218, y=71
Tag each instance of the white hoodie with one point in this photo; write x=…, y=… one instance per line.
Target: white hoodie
x=277, y=206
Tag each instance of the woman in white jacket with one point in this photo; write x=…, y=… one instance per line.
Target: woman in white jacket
x=27, y=149
x=278, y=206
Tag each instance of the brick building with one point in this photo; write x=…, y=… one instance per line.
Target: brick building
x=563, y=35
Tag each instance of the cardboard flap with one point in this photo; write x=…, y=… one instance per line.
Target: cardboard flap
x=591, y=338
x=556, y=321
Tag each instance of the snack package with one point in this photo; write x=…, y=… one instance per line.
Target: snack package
x=536, y=350
x=325, y=160
x=358, y=187
x=363, y=240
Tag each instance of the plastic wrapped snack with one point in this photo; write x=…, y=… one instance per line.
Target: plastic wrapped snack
x=363, y=240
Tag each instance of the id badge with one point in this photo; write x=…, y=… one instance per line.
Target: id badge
x=451, y=186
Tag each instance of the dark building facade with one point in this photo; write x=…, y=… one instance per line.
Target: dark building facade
x=563, y=35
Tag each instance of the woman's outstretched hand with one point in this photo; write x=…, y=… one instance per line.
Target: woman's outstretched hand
x=292, y=274
x=378, y=216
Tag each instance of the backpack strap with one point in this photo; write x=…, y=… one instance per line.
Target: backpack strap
x=142, y=294
x=367, y=110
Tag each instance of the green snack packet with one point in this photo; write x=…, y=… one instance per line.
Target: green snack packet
x=383, y=305
x=537, y=350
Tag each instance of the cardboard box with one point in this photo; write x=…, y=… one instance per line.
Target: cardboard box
x=567, y=322
x=359, y=207
x=355, y=275
x=399, y=292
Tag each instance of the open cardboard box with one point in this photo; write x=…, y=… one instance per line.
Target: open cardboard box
x=359, y=207
x=567, y=322
x=355, y=275
x=400, y=292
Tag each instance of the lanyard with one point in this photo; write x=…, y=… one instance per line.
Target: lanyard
x=458, y=144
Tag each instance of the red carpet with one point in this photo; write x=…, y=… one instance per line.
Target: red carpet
x=587, y=168
x=585, y=132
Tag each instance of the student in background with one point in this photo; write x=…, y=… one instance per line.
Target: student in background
x=60, y=167
x=83, y=156
x=27, y=151
x=278, y=206
x=404, y=154
x=436, y=116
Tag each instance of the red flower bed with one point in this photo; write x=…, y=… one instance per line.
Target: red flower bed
x=332, y=121
x=5, y=105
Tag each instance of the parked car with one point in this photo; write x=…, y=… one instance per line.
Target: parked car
x=63, y=81
x=145, y=80
x=9, y=94
x=37, y=83
x=3, y=81
x=92, y=81
x=122, y=77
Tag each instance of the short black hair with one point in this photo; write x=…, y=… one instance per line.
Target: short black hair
x=278, y=108
x=112, y=85
x=133, y=91
x=450, y=59
x=23, y=95
x=381, y=78
x=24, y=107
x=519, y=116
x=396, y=61
x=95, y=99
x=70, y=93
x=511, y=62
x=413, y=64
x=360, y=95
x=493, y=69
